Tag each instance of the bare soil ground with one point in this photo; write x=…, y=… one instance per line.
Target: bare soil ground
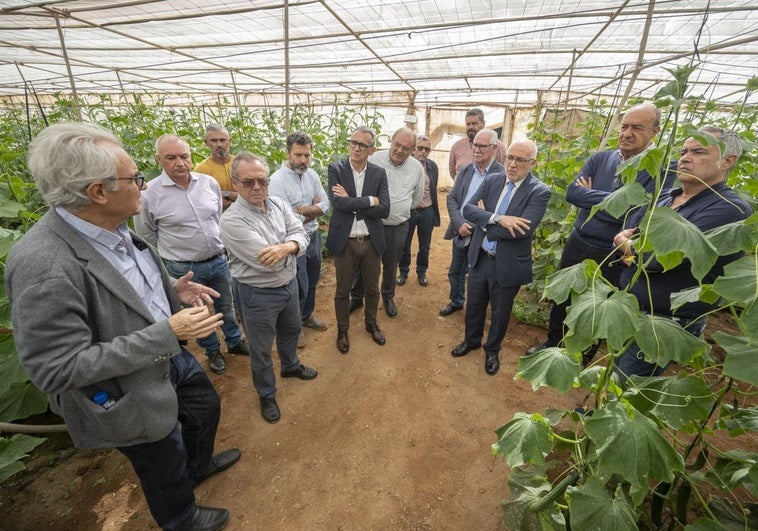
x=387, y=437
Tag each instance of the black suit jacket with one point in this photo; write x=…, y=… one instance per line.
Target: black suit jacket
x=513, y=260
x=433, y=172
x=458, y=194
x=347, y=209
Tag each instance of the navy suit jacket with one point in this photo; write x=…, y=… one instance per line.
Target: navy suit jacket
x=347, y=209
x=433, y=172
x=513, y=260
x=458, y=194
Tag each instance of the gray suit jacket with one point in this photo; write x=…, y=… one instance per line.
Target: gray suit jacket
x=79, y=327
x=457, y=195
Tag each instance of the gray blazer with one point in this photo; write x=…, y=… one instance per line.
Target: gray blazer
x=79, y=327
x=456, y=196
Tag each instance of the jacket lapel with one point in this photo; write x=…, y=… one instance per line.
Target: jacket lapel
x=97, y=265
x=520, y=195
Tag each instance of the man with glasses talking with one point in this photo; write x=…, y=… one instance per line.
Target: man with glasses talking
x=360, y=199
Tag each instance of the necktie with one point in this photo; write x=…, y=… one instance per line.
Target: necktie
x=487, y=245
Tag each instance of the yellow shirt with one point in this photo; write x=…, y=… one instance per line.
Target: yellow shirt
x=221, y=172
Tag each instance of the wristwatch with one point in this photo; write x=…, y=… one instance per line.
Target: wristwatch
x=496, y=218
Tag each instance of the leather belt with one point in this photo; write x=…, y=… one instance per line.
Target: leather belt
x=217, y=255
x=360, y=239
x=489, y=254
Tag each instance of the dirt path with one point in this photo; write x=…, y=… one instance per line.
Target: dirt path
x=392, y=437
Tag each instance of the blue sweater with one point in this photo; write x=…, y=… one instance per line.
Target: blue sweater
x=709, y=209
x=598, y=233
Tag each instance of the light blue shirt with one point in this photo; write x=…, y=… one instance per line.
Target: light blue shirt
x=137, y=266
x=298, y=191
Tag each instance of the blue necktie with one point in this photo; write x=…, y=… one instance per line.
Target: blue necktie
x=487, y=245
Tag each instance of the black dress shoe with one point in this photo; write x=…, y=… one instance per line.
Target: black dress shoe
x=343, y=344
x=376, y=334
x=220, y=462
x=241, y=348
x=216, y=362
x=302, y=372
x=402, y=279
x=423, y=280
x=355, y=304
x=449, y=309
x=270, y=410
x=390, y=308
x=542, y=346
x=205, y=519
x=462, y=349
x=491, y=364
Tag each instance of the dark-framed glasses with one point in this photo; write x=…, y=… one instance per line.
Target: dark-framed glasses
x=517, y=160
x=358, y=145
x=482, y=146
x=423, y=148
x=138, y=178
x=250, y=183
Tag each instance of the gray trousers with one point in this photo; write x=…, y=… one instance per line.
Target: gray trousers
x=268, y=314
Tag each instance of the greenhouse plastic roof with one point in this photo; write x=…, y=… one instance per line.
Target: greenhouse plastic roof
x=419, y=51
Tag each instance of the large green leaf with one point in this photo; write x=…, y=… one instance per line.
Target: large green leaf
x=749, y=321
x=549, y=367
x=662, y=341
x=629, y=444
x=591, y=506
x=738, y=283
x=593, y=315
x=7, y=238
x=525, y=439
x=738, y=421
x=650, y=160
x=559, y=285
x=620, y=201
x=13, y=450
x=10, y=369
x=740, y=362
x=674, y=401
x=732, y=469
x=20, y=401
x=673, y=238
x=733, y=237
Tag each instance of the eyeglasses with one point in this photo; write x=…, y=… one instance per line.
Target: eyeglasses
x=423, y=148
x=482, y=146
x=517, y=160
x=358, y=145
x=138, y=178
x=250, y=183
x=402, y=148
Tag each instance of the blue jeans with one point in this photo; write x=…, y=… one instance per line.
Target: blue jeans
x=423, y=220
x=308, y=274
x=168, y=468
x=213, y=273
x=456, y=275
x=632, y=361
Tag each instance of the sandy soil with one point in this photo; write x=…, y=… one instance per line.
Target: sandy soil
x=392, y=437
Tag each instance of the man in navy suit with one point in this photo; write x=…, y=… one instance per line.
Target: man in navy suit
x=505, y=211
x=360, y=199
x=459, y=230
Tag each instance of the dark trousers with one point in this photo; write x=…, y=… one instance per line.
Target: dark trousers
x=484, y=289
x=395, y=237
x=421, y=220
x=168, y=467
x=357, y=259
x=574, y=252
x=456, y=275
x=268, y=314
x=308, y=273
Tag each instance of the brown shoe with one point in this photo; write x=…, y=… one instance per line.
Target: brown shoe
x=343, y=344
x=376, y=334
